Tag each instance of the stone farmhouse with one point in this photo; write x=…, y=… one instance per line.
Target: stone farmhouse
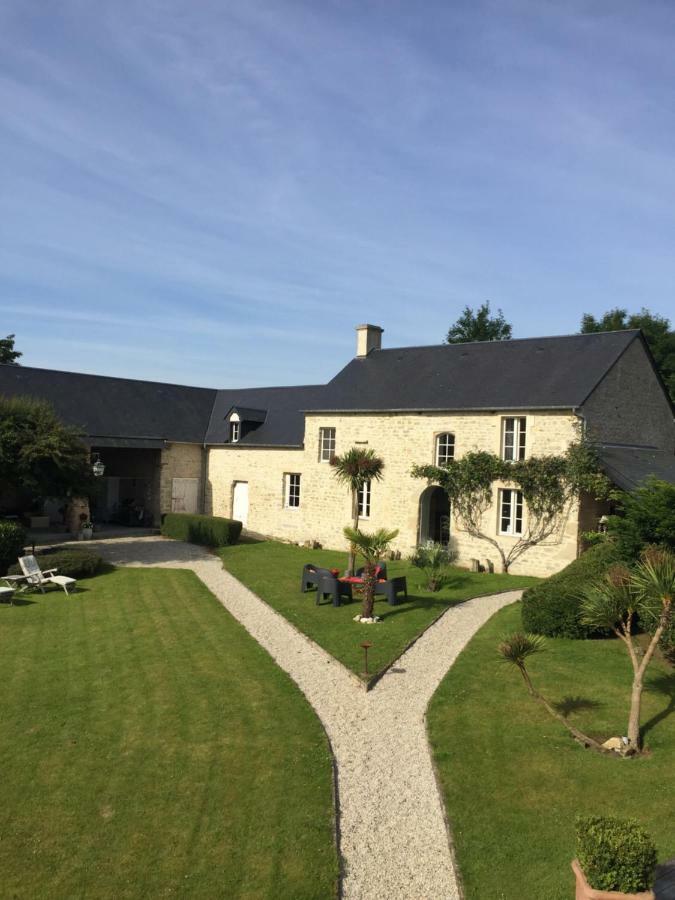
x=261, y=455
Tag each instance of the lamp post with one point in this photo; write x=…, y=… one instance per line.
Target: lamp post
x=98, y=468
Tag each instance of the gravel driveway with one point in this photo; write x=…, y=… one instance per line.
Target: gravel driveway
x=394, y=842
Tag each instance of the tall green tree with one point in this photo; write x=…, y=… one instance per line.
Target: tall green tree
x=39, y=453
x=7, y=352
x=354, y=469
x=657, y=330
x=479, y=325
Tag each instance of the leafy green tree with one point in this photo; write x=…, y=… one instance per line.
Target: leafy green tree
x=7, y=352
x=372, y=548
x=39, y=453
x=647, y=516
x=355, y=468
x=657, y=331
x=614, y=602
x=479, y=325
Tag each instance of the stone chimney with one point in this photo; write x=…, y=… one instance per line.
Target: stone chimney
x=368, y=337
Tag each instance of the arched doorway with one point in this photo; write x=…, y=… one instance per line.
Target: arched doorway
x=434, y=522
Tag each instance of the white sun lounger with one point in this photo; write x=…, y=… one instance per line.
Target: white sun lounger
x=37, y=578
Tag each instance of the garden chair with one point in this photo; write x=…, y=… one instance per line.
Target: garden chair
x=311, y=575
x=334, y=588
x=391, y=588
x=380, y=571
x=37, y=578
x=6, y=593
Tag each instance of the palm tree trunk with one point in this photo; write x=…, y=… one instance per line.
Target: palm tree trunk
x=368, y=590
x=633, y=735
x=351, y=565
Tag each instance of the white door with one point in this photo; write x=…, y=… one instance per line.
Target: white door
x=185, y=495
x=240, y=502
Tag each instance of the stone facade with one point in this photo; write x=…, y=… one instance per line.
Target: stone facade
x=629, y=405
x=401, y=440
x=180, y=461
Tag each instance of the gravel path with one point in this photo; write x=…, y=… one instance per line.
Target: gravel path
x=393, y=837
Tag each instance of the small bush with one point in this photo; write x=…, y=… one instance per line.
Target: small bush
x=73, y=563
x=210, y=531
x=435, y=561
x=615, y=854
x=552, y=608
x=12, y=542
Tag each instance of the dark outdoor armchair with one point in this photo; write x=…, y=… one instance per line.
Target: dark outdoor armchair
x=311, y=575
x=380, y=571
x=337, y=590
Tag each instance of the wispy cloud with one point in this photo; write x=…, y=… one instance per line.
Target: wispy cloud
x=233, y=184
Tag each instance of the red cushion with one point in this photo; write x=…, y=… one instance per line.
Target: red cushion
x=352, y=579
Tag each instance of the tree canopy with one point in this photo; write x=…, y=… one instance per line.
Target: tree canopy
x=40, y=454
x=479, y=325
x=657, y=331
x=7, y=352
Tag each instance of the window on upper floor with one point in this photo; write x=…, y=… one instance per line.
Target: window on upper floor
x=364, y=501
x=445, y=449
x=326, y=444
x=513, y=438
x=235, y=431
x=510, y=511
x=292, y=490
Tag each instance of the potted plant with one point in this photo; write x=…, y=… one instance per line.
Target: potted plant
x=86, y=528
x=616, y=859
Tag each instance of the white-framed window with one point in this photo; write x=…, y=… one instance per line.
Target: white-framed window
x=513, y=438
x=364, y=501
x=445, y=448
x=235, y=431
x=510, y=511
x=326, y=444
x=292, y=490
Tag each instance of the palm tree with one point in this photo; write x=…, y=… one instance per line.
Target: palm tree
x=372, y=548
x=516, y=649
x=613, y=603
x=354, y=468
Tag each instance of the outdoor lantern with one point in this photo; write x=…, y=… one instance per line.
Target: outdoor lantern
x=98, y=468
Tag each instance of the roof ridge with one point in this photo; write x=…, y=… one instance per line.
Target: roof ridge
x=22, y=368
x=546, y=337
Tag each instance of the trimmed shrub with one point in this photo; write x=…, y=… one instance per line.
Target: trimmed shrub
x=73, y=563
x=648, y=517
x=615, y=854
x=552, y=608
x=12, y=542
x=210, y=531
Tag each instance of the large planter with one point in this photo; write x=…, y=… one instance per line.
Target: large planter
x=586, y=892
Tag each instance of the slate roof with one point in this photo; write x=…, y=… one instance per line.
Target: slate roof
x=116, y=407
x=628, y=466
x=284, y=424
x=528, y=373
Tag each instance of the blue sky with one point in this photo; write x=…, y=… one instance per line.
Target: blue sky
x=215, y=193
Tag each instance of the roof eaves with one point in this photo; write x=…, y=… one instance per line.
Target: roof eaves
x=439, y=409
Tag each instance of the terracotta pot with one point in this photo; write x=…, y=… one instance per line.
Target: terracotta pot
x=586, y=892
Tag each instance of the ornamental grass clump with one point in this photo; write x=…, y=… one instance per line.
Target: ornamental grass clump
x=435, y=561
x=615, y=854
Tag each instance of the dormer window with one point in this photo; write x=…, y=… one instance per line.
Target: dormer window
x=445, y=448
x=235, y=428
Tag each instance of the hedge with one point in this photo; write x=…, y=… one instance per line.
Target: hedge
x=210, y=531
x=552, y=608
x=615, y=854
x=12, y=542
x=73, y=563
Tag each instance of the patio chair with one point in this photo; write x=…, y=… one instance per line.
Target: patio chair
x=391, y=588
x=334, y=588
x=37, y=578
x=311, y=575
x=6, y=593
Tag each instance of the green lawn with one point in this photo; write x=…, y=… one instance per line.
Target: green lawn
x=150, y=748
x=272, y=570
x=514, y=780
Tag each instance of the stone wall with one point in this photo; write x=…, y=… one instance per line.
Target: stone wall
x=401, y=440
x=629, y=405
x=180, y=461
